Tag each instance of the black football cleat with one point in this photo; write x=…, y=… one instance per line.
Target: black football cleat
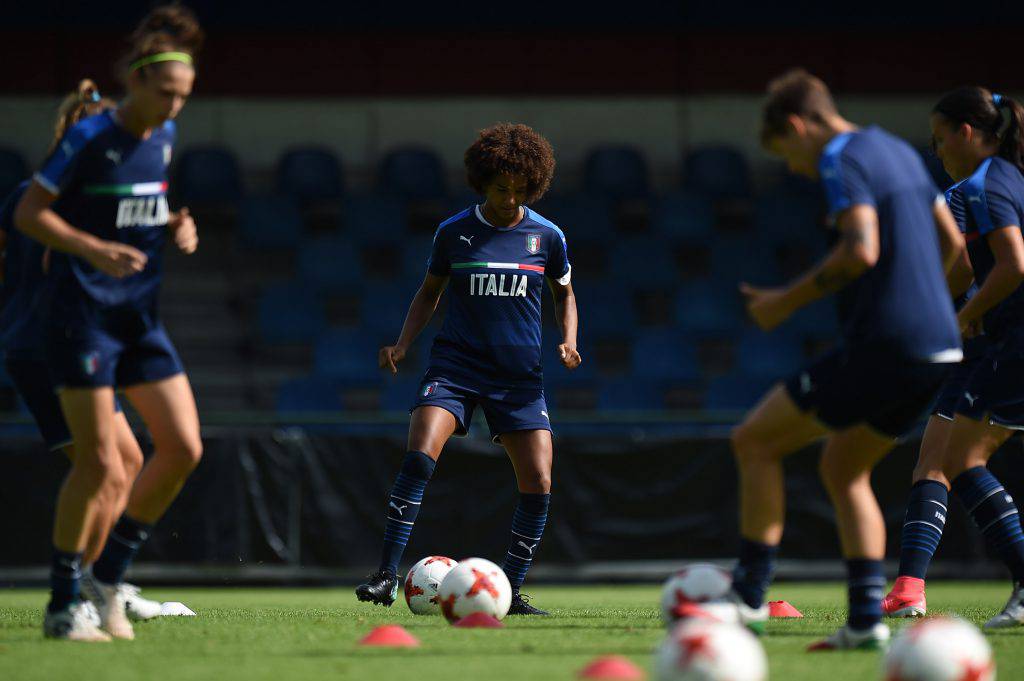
x=381, y=588
x=521, y=605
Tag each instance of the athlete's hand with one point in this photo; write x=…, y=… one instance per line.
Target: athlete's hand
x=569, y=355
x=971, y=329
x=116, y=259
x=183, y=227
x=768, y=307
x=389, y=357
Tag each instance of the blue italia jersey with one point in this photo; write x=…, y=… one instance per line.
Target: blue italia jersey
x=492, y=332
x=993, y=198
x=902, y=304
x=113, y=185
x=20, y=311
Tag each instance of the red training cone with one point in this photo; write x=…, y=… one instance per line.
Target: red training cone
x=782, y=609
x=479, y=620
x=391, y=636
x=612, y=667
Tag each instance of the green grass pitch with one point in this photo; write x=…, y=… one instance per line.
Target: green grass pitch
x=279, y=634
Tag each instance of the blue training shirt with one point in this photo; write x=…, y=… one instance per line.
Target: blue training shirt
x=113, y=185
x=993, y=197
x=902, y=304
x=21, y=321
x=492, y=332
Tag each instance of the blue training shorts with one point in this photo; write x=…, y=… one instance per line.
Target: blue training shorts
x=975, y=349
x=506, y=411
x=31, y=378
x=94, y=357
x=994, y=392
x=851, y=386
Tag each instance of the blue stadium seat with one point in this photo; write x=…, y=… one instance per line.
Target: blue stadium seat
x=290, y=313
x=606, y=309
x=720, y=173
x=347, y=354
x=738, y=259
x=331, y=263
x=13, y=170
x=706, y=308
x=373, y=218
x=782, y=217
x=208, y=175
x=385, y=305
x=664, y=355
x=735, y=391
x=616, y=173
x=643, y=262
x=775, y=355
x=584, y=219
x=415, y=254
x=630, y=394
x=309, y=394
x=269, y=223
x=310, y=174
x=414, y=174
x=683, y=215
x=399, y=392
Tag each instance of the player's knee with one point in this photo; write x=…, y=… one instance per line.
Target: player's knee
x=132, y=461
x=189, y=452
x=101, y=472
x=746, y=447
x=535, y=482
x=840, y=480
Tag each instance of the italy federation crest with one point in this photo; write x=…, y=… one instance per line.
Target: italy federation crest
x=532, y=243
x=429, y=389
x=90, y=363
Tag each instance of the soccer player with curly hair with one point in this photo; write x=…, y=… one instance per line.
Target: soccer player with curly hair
x=496, y=255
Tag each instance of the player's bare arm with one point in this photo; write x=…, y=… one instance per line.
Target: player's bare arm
x=565, y=316
x=422, y=308
x=856, y=252
x=1008, y=249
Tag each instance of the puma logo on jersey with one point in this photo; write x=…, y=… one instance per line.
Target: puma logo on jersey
x=527, y=547
x=398, y=508
x=974, y=199
x=494, y=285
x=970, y=398
x=114, y=155
x=149, y=211
x=468, y=239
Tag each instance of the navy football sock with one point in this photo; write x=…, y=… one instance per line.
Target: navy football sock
x=65, y=571
x=922, y=527
x=124, y=542
x=527, y=529
x=995, y=514
x=865, y=585
x=403, y=507
x=753, y=573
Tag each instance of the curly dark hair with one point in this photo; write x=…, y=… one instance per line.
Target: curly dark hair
x=511, y=149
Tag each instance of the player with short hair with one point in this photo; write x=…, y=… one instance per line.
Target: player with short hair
x=99, y=202
x=979, y=136
x=897, y=239
x=496, y=257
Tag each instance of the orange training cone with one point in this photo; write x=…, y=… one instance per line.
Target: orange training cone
x=782, y=609
x=612, y=667
x=479, y=620
x=390, y=636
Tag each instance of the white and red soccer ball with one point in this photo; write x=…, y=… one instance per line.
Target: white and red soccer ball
x=476, y=585
x=423, y=581
x=701, y=649
x=939, y=649
x=699, y=590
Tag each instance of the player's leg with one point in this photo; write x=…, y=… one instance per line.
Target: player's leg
x=971, y=443
x=168, y=409
x=845, y=467
x=772, y=430
x=96, y=468
x=923, y=522
x=430, y=427
x=531, y=454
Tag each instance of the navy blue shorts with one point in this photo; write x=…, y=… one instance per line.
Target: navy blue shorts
x=975, y=350
x=31, y=378
x=847, y=387
x=93, y=358
x=506, y=411
x=994, y=392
